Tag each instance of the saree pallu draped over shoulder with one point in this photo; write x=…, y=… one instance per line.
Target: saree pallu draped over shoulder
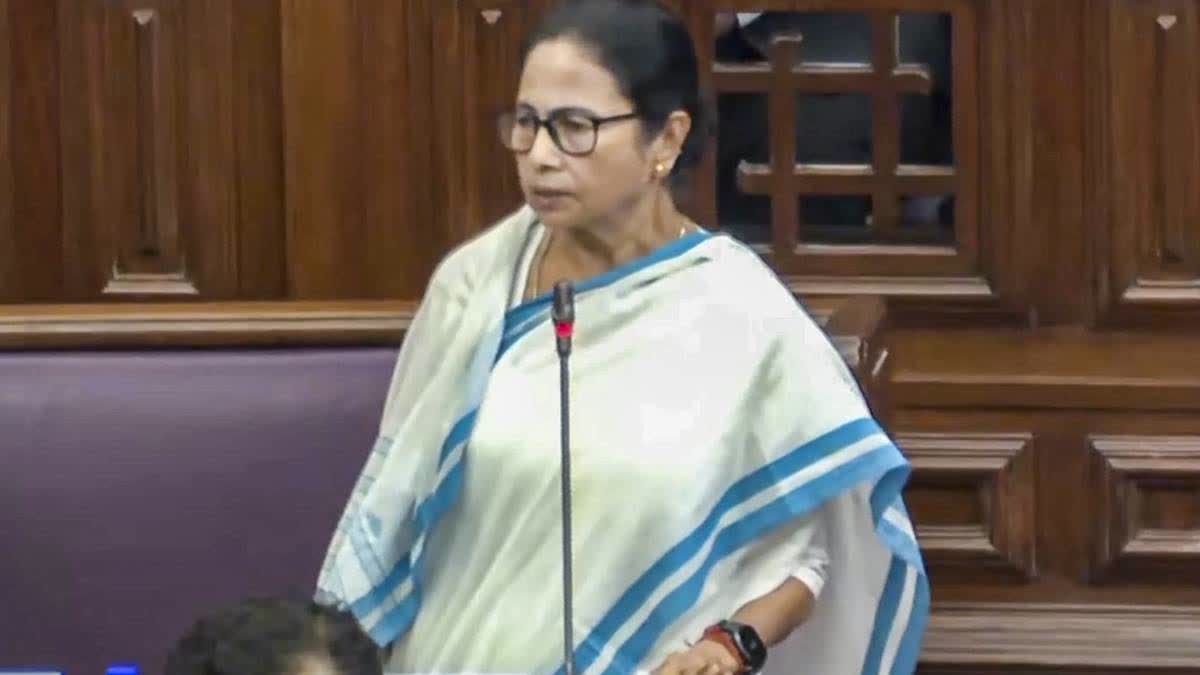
x=713, y=424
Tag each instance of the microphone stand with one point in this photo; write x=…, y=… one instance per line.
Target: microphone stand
x=563, y=315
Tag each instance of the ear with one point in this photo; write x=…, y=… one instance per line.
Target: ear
x=669, y=144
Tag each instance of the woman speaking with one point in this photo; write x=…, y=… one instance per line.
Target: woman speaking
x=735, y=505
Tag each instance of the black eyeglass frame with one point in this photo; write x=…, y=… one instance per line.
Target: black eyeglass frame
x=509, y=118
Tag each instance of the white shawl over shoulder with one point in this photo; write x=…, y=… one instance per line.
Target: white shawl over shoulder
x=712, y=425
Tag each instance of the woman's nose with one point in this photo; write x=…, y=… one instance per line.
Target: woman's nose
x=544, y=152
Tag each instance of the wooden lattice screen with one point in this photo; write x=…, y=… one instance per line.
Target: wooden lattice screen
x=886, y=181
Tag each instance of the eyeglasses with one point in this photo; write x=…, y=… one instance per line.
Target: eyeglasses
x=573, y=131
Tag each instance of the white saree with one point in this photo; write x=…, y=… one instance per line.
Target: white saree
x=713, y=426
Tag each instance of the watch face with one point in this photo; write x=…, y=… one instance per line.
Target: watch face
x=751, y=644
x=750, y=640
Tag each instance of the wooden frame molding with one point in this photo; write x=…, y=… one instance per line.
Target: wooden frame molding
x=1045, y=369
x=854, y=323
x=1126, y=471
x=1142, y=126
x=371, y=322
x=998, y=470
x=1058, y=637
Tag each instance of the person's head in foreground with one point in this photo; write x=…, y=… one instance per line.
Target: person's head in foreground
x=275, y=637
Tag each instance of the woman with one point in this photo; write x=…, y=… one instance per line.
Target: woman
x=724, y=461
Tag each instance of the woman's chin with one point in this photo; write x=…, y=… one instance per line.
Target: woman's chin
x=558, y=219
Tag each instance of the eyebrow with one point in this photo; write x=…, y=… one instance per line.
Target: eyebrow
x=559, y=109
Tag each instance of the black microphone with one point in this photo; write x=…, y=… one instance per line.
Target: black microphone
x=563, y=315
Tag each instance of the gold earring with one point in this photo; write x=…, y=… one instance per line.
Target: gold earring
x=659, y=170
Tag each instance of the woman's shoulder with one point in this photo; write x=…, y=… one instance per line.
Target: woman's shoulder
x=480, y=257
x=741, y=281
x=753, y=295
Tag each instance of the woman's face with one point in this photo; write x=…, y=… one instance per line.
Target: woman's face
x=599, y=187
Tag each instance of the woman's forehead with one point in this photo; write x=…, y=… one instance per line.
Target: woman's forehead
x=560, y=73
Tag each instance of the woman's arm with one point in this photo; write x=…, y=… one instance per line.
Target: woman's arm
x=778, y=613
x=773, y=616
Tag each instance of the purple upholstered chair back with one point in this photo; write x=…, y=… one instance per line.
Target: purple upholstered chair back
x=140, y=490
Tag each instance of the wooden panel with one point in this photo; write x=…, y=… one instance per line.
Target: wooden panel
x=972, y=498
x=8, y=275
x=1097, y=639
x=140, y=90
x=1149, y=122
x=359, y=221
x=405, y=229
x=171, y=145
x=1053, y=241
x=407, y=233
x=322, y=144
x=31, y=267
x=1147, y=523
x=1067, y=499
x=84, y=234
x=150, y=179
x=208, y=216
x=480, y=43
x=258, y=140
x=1049, y=369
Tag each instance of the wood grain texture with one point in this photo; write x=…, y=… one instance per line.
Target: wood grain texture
x=8, y=260
x=1064, y=496
x=220, y=324
x=258, y=141
x=1051, y=369
x=30, y=223
x=294, y=323
x=359, y=221
x=139, y=170
x=1147, y=495
x=322, y=142
x=1146, y=134
x=208, y=191
x=1059, y=259
x=1016, y=638
x=972, y=496
x=480, y=43
x=82, y=240
x=150, y=181
x=404, y=235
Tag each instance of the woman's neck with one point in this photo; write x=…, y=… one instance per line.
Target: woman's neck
x=643, y=228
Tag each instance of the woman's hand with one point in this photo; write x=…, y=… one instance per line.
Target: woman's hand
x=703, y=658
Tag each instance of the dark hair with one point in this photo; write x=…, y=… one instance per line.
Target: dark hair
x=273, y=637
x=650, y=53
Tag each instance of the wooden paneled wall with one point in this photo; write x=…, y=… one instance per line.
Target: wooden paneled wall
x=289, y=171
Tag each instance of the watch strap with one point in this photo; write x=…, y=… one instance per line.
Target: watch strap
x=720, y=635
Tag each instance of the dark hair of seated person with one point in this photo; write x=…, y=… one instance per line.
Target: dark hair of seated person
x=275, y=637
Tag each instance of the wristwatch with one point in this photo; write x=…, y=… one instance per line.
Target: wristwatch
x=742, y=641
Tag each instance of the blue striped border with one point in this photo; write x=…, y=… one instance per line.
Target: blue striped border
x=736, y=536
x=891, y=469
x=518, y=322
x=742, y=490
x=885, y=615
x=526, y=316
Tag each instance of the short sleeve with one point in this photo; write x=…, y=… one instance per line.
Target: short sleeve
x=813, y=562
